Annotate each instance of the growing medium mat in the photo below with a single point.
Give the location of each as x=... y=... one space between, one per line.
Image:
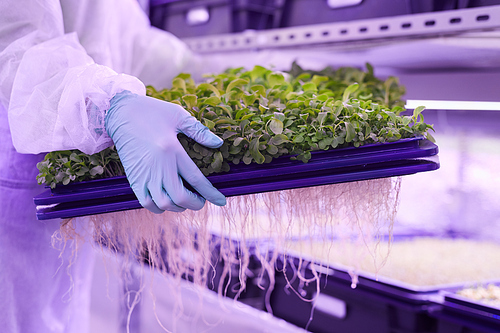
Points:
x=402 y=157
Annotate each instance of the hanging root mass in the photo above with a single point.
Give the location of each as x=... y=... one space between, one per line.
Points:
x=258 y=236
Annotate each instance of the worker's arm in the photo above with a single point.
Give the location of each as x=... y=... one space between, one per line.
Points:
x=58 y=98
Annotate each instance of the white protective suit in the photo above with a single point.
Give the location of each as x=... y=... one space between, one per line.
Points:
x=59 y=65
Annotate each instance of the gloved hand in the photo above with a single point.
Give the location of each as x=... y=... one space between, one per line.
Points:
x=144 y=131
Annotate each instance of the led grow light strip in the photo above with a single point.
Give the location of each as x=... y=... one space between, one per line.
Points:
x=453 y=105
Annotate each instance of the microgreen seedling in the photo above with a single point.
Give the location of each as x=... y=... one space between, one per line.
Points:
x=262 y=115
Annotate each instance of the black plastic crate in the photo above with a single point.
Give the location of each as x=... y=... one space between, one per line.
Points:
x=438 y=5
x=457 y=314
x=189 y=18
x=305 y=12
x=372 y=306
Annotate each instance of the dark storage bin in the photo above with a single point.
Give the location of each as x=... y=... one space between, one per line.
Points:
x=373 y=306
x=186 y=18
x=457 y=314
x=438 y=5
x=305 y=12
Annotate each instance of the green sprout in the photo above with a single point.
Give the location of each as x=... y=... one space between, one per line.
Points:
x=263 y=114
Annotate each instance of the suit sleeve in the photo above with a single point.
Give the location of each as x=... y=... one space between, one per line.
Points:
x=55 y=94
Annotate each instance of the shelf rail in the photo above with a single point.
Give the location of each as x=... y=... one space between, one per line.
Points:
x=424 y=25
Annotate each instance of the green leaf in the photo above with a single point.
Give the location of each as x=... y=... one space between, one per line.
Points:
x=278 y=139
x=82 y=171
x=184 y=76
x=365 y=97
x=304 y=157
x=276 y=126
x=298 y=139
x=75 y=158
x=275 y=79
x=190 y=100
x=322 y=98
x=94 y=159
x=247 y=159
x=217 y=161
x=249 y=99
x=349 y=90
x=280 y=116
x=263 y=101
x=417 y=111
x=228 y=134
x=369 y=68
x=234 y=150
x=259 y=89
x=208 y=86
x=303 y=77
x=317 y=79
x=258 y=72
x=351 y=132
x=429 y=137
x=325 y=143
x=272 y=149
x=244 y=123
x=406 y=120
x=177 y=102
x=254 y=150
x=309 y=86
x=213 y=101
x=241 y=113
x=237 y=141
x=247 y=116
x=223 y=121
x=210 y=124
x=97 y=170
x=179 y=83
x=235 y=83
x=226 y=109
x=321 y=117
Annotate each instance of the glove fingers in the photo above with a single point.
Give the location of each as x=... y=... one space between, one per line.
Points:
x=145 y=199
x=191 y=174
x=200 y=133
x=180 y=195
x=161 y=198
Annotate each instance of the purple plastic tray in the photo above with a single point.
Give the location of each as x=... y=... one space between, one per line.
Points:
x=397 y=158
x=470 y=315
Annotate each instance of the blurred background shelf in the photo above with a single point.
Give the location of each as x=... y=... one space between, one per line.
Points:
x=467 y=38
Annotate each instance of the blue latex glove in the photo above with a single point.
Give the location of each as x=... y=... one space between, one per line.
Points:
x=144 y=131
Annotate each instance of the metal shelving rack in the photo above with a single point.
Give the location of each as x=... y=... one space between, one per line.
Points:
x=368 y=31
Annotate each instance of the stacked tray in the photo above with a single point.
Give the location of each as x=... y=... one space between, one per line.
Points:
x=456 y=313
x=378 y=304
x=402 y=157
